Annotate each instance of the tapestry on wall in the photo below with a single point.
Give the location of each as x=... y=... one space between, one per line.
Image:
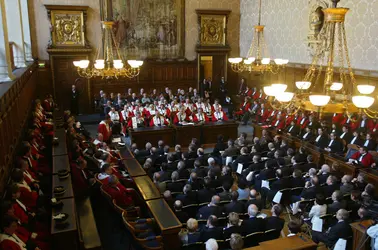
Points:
x=149 y=28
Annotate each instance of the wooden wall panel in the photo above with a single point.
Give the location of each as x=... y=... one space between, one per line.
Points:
x=16 y=107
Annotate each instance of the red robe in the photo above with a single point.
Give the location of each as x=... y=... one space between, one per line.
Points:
x=244 y=107
x=221 y=116
x=197 y=118
x=158 y=121
x=120 y=194
x=166 y=112
x=28 y=197
x=304 y=121
x=180 y=118
x=105 y=130
x=288 y=119
x=366 y=161
x=369 y=125
x=337 y=118
x=262 y=115
x=279 y=125
x=79 y=178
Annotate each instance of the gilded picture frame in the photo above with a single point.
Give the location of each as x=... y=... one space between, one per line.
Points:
x=67 y=28
x=153 y=29
x=213 y=30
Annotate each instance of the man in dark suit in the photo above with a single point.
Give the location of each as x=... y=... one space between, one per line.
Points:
x=321 y=141
x=226 y=175
x=334 y=144
x=345 y=134
x=341 y=230
x=323 y=174
x=182 y=216
x=196 y=183
x=311 y=189
x=356 y=140
x=280 y=183
x=201 y=157
x=253 y=200
x=275 y=222
x=306 y=135
x=165 y=175
x=145 y=152
x=337 y=203
x=293 y=129
x=331 y=186
x=175 y=186
x=243 y=158
x=183 y=172
x=235 y=205
x=253 y=224
x=160 y=148
x=200 y=171
x=310 y=164
x=225 y=195
x=297 y=179
x=74 y=101
x=171 y=163
x=369 y=143
x=205 y=194
x=188 y=197
x=212 y=209
x=231 y=150
x=211 y=231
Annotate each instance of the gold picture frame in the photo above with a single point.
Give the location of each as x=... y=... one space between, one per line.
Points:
x=67 y=26
x=213 y=29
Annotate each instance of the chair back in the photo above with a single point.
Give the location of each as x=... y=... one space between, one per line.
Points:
x=296 y=191
x=191 y=210
x=106 y=195
x=194 y=246
x=271 y=234
x=253 y=239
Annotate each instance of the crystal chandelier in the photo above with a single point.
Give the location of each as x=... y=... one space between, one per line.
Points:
x=110 y=64
x=325 y=87
x=258 y=55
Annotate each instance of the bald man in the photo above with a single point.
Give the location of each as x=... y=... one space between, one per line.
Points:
x=212 y=209
x=253 y=224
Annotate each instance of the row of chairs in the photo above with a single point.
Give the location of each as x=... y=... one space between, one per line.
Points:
x=250 y=240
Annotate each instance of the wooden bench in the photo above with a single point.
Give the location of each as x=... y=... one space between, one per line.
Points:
x=88 y=234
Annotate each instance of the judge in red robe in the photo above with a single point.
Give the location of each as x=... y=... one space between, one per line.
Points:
x=337 y=118
x=158 y=120
x=219 y=115
x=244 y=107
x=262 y=113
x=278 y=123
x=200 y=116
x=180 y=117
x=104 y=128
x=122 y=195
x=362 y=157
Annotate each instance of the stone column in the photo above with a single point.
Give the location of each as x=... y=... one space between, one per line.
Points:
x=15 y=31
x=6 y=73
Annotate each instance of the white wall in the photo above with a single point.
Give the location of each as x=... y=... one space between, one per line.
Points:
x=287 y=28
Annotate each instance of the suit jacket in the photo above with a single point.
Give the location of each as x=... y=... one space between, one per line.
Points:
x=305 y=167
x=188 y=198
x=293 y=130
x=322 y=142
x=175 y=186
x=196 y=185
x=306 y=137
x=201 y=172
x=225 y=196
x=183 y=174
x=297 y=182
x=274 y=222
x=340 y=230
x=182 y=216
x=237 y=207
x=230 y=151
x=347 y=137
x=211 y=233
x=204 y=195
x=205 y=211
x=334 y=207
x=232 y=230
x=329 y=189
x=358 y=141
x=347 y=188
x=323 y=178
x=252 y=225
x=310 y=193
x=370 y=144
x=336 y=146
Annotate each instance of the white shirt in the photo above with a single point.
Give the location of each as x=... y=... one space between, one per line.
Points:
x=366 y=143
x=318 y=138
x=342 y=135
x=305 y=135
x=373 y=233
x=303 y=120
x=317 y=211
x=330 y=143
x=361 y=157
x=353 y=140
x=291 y=128
x=114 y=116
x=362 y=125
x=276 y=124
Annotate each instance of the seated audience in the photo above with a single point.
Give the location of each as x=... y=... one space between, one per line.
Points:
x=211 y=230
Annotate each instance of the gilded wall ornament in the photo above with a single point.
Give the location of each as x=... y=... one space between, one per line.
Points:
x=316 y=21
x=212 y=30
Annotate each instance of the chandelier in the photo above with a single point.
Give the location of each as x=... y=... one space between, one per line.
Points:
x=329 y=85
x=258 y=55
x=110 y=64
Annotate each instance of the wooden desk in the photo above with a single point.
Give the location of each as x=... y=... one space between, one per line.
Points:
x=125 y=153
x=345 y=168
x=210 y=131
x=184 y=134
x=371 y=177
x=66 y=183
x=133 y=167
x=141 y=136
x=359 y=234
x=61 y=148
x=65 y=238
x=60 y=162
x=167 y=221
x=147 y=188
x=293 y=243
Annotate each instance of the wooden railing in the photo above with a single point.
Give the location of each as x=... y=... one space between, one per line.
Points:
x=16 y=100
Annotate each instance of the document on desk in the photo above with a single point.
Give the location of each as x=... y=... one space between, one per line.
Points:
x=265 y=184
x=228 y=160
x=277 y=197
x=340 y=244
x=187 y=123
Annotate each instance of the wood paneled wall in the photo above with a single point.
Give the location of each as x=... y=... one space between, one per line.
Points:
x=153 y=75
x=15 y=108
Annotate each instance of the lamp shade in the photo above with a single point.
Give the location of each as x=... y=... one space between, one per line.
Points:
x=336 y=86
x=84 y=64
x=365 y=89
x=76 y=63
x=99 y=65
x=269 y=91
x=361 y=101
x=279 y=87
x=118 y=65
x=265 y=61
x=235 y=60
x=135 y=63
x=319 y=100
x=303 y=85
x=278 y=61
x=285 y=96
x=249 y=60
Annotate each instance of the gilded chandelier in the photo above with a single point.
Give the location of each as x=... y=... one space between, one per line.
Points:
x=325 y=87
x=112 y=64
x=258 y=55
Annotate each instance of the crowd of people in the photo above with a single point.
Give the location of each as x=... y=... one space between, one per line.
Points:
x=159 y=109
